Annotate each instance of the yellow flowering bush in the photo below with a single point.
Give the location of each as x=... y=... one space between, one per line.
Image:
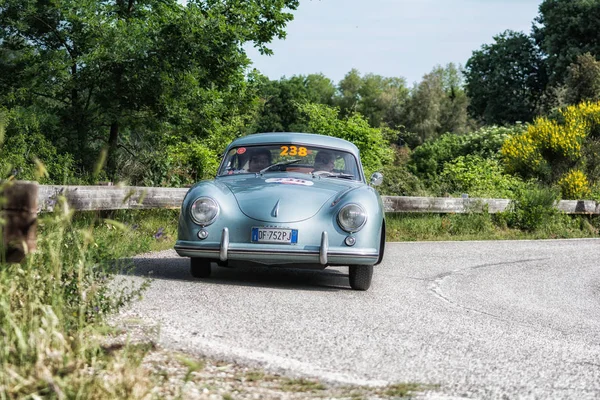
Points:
x=574 y=185
x=552 y=144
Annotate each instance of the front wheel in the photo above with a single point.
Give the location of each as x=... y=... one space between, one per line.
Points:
x=360 y=276
x=200 y=267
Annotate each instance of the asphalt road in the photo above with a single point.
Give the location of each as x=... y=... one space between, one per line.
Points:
x=489 y=319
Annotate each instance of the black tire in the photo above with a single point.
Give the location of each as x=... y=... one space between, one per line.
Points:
x=381 y=244
x=200 y=267
x=360 y=276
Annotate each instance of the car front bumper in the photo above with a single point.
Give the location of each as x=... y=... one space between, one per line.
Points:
x=273 y=254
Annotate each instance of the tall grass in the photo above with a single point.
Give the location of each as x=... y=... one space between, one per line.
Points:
x=483 y=226
x=531 y=215
x=52 y=303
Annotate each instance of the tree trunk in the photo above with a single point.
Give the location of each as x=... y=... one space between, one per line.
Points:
x=113 y=141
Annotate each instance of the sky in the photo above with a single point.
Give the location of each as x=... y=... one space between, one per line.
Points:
x=392 y=38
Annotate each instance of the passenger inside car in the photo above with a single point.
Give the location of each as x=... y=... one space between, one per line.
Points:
x=324 y=161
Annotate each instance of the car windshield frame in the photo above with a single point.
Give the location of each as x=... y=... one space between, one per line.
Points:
x=291 y=157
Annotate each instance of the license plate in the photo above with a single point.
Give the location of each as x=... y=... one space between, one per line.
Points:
x=274 y=235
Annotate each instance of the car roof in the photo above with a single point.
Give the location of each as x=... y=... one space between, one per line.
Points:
x=295 y=138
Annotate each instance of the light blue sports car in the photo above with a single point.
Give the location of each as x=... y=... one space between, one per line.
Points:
x=287 y=200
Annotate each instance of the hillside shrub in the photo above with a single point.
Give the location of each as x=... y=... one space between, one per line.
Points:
x=180 y=164
x=574 y=185
x=427 y=160
x=477 y=177
x=531 y=208
x=550 y=147
x=397 y=179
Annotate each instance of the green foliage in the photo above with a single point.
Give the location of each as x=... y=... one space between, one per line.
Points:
x=427 y=160
x=550 y=148
x=280 y=100
x=179 y=165
x=484 y=226
x=379 y=99
x=190 y=147
x=504 y=80
x=532 y=207
x=374 y=150
x=108 y=71
x=583 y=80
x=478 y=177
x=397 y=178
x=565 y=29
x=438 y=104
x=27 y=154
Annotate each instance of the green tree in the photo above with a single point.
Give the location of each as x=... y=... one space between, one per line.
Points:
x=280 y=100
x=110 y=68
x=375 y=151
x=349 y=95
x=564 y=30
x=583 y=80
x=379 y=99
x=438 y=104
x=504 y=80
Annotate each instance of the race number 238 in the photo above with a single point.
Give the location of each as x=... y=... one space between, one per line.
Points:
x=293 y=151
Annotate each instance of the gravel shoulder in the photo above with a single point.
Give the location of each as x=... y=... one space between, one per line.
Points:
x=180 y=375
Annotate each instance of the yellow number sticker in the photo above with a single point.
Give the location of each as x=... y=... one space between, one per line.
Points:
x=293 y=151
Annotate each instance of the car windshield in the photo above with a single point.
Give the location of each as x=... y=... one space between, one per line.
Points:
x=291 y=158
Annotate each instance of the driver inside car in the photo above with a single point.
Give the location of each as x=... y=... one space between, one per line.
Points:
x=324 y=161
x=259 y=159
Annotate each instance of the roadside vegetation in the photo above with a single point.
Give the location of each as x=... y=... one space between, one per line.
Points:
x=149 y=94
x=51 y=307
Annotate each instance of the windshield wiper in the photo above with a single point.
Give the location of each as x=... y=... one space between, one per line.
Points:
x=278 y=165
x=333 y=174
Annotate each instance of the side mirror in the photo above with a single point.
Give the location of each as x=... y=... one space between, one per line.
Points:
x=376 y=178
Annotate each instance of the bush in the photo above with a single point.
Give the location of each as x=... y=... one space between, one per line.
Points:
x=178 y=165
x=551 y=147
x=397 y=179
x=574 y=185
x=428 y=160
x=479 y=177
x=26 y=154
x=532 y=207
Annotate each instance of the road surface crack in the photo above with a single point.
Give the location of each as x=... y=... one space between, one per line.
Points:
x=436 y=281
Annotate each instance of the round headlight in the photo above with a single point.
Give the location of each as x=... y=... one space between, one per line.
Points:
x=352 y=217
x=204 y=210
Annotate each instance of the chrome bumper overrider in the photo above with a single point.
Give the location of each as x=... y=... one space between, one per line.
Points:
x=323 y=254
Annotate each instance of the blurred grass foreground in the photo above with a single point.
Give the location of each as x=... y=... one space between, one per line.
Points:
x=54 y=303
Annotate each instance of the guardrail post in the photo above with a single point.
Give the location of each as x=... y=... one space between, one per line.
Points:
x=18 y=211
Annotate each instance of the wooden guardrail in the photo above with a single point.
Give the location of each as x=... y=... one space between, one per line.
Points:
x=86 y=198
x=89 y=198
x=23 y=200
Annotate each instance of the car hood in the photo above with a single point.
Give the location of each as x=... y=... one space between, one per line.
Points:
x=279 y=199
